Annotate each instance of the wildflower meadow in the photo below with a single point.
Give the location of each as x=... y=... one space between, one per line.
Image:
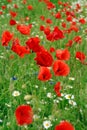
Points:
x=43 y=65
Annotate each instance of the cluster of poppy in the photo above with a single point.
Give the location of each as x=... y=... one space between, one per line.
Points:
x=56 y=34
x=24 y=116
x=44 y=58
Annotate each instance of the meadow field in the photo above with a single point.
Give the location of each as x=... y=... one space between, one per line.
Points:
x=43 y=65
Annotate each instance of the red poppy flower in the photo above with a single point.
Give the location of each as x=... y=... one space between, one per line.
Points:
x=58 y=15
x=73 y=23
x=82 y=20
x=18 y=49
x=15 y=6
x=65 y=4
x=44 y=58
x=47 y=31
x=63 y=54
x=73 y=28
x=30 y=7
x=50 y=5
x=60 y=2
x=12 y=22
x=78 y=6
x=64 y=125
x=6 y=37
x=60 y=68
x=63 y=24
x=24 y=29
x=52 y=49
x=57 y=34
x=57 y=89
x=69 y=44
x=49 y=21
x=42 y=17
x=44 y=74
x=1 y=12
x=13 y=14
x=78 y=39
x=69 y=18
x=41 y=28
x=24 y=1
x=80 y=56
x=3 y=7
x=50 y=37
x=33 y=44
x=24 y=115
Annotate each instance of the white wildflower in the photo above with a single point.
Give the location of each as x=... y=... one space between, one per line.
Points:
x=47 y=124
x=69 y=86
x=1 y=121
x=68 y=96
x=36 y=86
x=73 y=103
x=72 y=97
x=56 y=101
x=49 y=95
x=16 y=93
x=8 y=124
x=28 y=102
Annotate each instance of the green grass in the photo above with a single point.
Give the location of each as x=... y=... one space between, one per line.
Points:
x=25 y=70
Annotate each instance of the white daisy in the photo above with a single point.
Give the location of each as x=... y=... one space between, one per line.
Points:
x=68 y=96
x=16 y=93
x=47 y=124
